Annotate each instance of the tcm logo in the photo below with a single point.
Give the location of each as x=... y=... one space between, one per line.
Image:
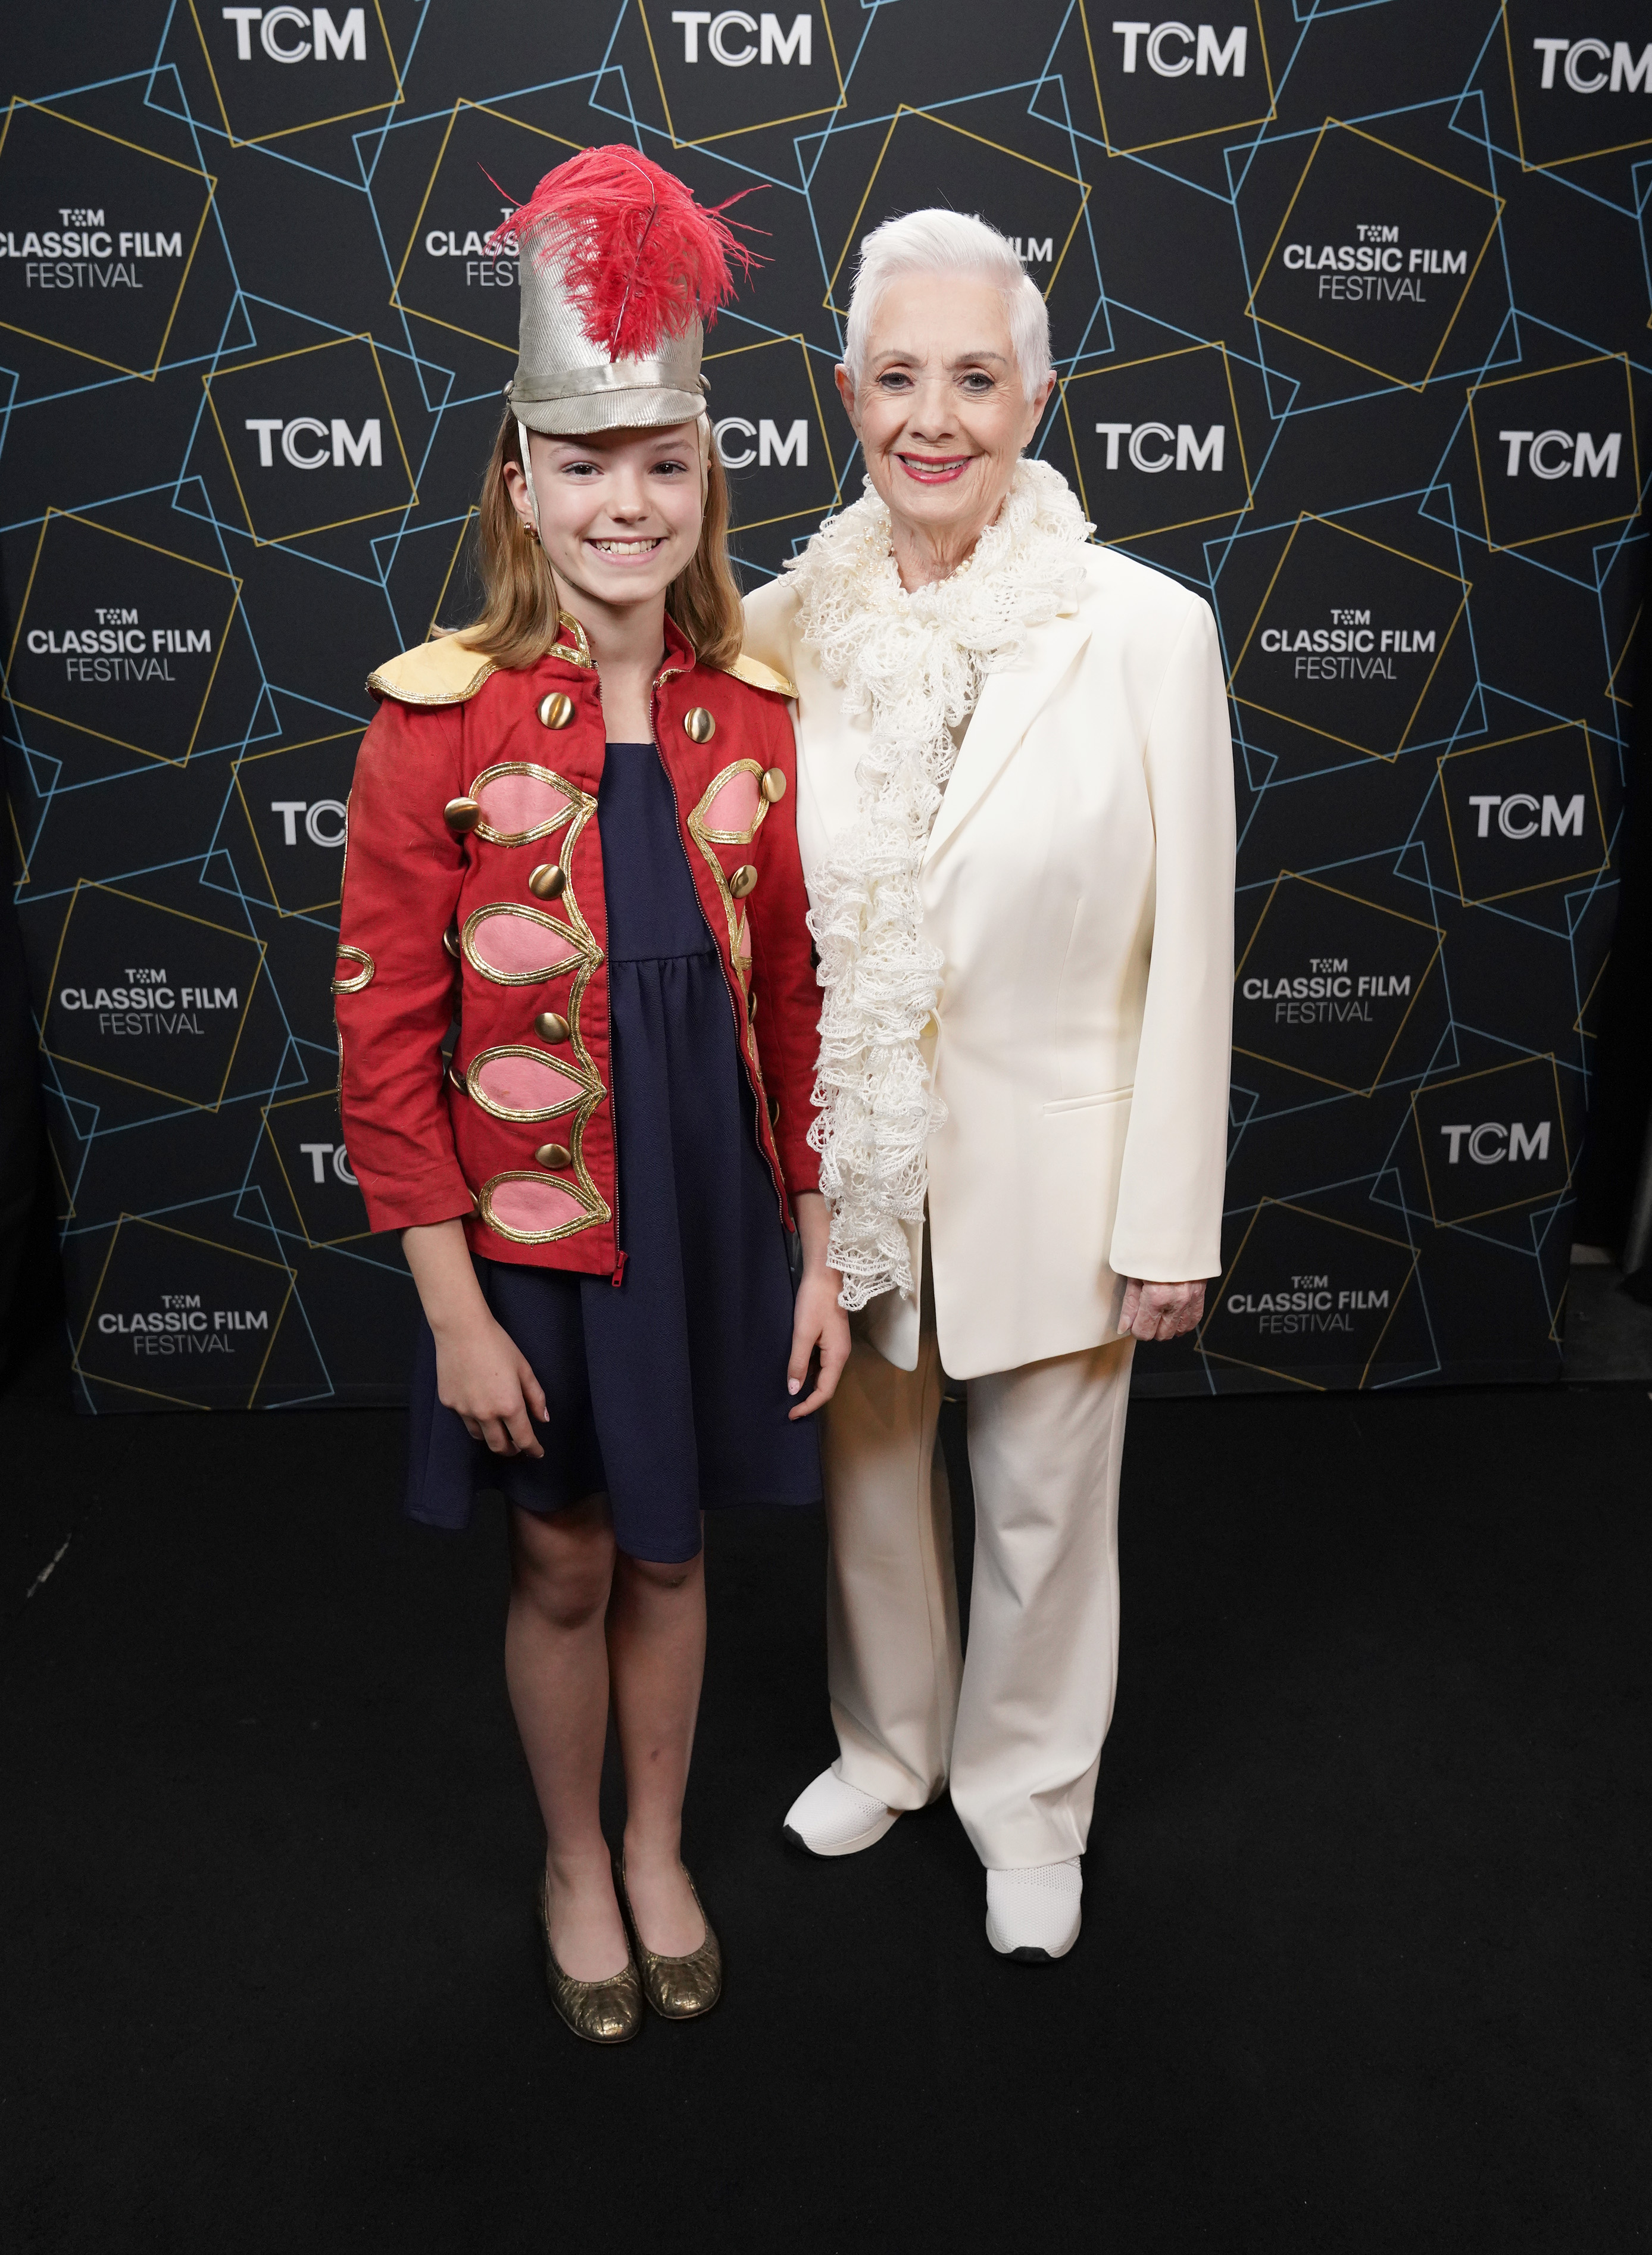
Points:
x=1519 y=815
x=1155 y=447
x=338 y=444
x=1592 y=67
x=1173 y=49
x=730 y=40
x=320 y=1154
x=297 y=35
x=1563 y=453
x=733 y=435
x=1492 y=1144
x=323 y=821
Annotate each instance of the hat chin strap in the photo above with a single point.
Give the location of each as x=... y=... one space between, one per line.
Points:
x=527 y=472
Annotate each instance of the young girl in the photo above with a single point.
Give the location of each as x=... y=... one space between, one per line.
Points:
x=572 y=831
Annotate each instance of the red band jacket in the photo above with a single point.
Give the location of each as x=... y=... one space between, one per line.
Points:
x=473 y=893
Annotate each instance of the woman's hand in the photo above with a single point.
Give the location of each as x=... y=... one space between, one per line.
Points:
x=1161 y=1311
x=479 y=1374
x=817 y=1320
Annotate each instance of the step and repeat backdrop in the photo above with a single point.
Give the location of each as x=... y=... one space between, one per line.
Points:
x=1350 y=306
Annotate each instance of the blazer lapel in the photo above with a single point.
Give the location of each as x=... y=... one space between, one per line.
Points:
x=1009 y=703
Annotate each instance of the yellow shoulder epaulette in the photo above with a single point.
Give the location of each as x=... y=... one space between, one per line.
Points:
x=444 y=672
x=756 y=674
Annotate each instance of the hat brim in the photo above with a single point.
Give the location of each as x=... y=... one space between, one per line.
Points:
x=628 y=410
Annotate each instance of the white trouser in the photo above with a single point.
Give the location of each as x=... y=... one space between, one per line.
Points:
x=1017 y=1722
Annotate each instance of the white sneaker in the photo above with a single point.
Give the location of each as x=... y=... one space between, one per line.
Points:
x=831 y=1818
x=1033 y=1913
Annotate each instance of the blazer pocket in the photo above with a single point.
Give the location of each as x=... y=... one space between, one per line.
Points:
x=1084 y=1103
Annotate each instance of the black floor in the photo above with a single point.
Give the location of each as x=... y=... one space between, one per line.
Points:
x=1364 y=1965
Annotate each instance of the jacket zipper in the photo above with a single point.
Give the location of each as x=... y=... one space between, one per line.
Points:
x=618 y=1277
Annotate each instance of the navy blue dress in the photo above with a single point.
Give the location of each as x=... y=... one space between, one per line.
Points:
x=667 y=1391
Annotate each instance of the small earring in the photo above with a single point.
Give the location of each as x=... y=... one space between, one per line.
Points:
x=528 y=531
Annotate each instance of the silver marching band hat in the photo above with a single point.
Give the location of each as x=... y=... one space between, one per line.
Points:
x=619 y=270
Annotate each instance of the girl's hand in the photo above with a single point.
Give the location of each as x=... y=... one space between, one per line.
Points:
x=479 y=1373
x=816 y=1321
x=483 y=1377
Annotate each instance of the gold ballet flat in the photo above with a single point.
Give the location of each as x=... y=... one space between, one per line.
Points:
x=678 y=1988
x=606 y=2012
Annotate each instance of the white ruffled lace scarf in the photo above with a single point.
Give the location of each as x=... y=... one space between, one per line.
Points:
x=916 y=663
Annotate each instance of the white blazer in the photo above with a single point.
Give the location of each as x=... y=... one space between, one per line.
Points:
x=1079 y=883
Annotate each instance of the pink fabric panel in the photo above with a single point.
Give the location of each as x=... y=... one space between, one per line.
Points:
x=531 y=1207
x=519 y=802
x=525 y=1083
x=734 y=806
x=510 y=942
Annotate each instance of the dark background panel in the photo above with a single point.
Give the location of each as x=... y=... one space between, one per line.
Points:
x=1362 y=261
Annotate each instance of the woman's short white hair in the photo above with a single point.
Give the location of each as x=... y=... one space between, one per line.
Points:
x=939 y=241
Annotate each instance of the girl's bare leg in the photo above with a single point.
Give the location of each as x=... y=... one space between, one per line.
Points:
x=557 y=1670
x=656 y=1655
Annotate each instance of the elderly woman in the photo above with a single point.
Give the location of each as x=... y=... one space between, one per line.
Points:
x=1014 y=805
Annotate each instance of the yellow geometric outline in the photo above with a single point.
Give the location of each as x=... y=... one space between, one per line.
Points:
x=764 y=125
x=1175 y=140
x=255 y=140
x=148 y=1087
x=401 y=305
x=1387 y=376
x=453 y=566
x=19 y=849
x=1312 y=1214
x=212 y=1245
x=1468 y=752
x=1323 y=1079
x=1623 y=658
x=1585 y=1033
x=1332 y=524
x=795 y=337
x=282 y=1104
x=1116 y=367
x=145 y=374
x=268 y=359
x=913 y=109
x=1529 y=375
x=217 y=571
x=69 y=1210
x=1517 y=1064
x=279 y=751
x=1552 y=163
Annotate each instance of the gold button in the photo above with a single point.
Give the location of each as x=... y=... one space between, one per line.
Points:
x=743 y=881
x=550 y=1028
x=461 y=816
x=450 y=941
x=751 y=1006
x=548 y=882
x=554 y=1155
x=556 y=710
x=700 y=724
x=774 y=784
x=774 y=1111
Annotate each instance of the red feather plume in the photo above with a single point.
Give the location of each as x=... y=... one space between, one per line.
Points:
x=642 y=260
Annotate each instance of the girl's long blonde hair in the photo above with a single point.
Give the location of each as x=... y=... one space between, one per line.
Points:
x=518 y=621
